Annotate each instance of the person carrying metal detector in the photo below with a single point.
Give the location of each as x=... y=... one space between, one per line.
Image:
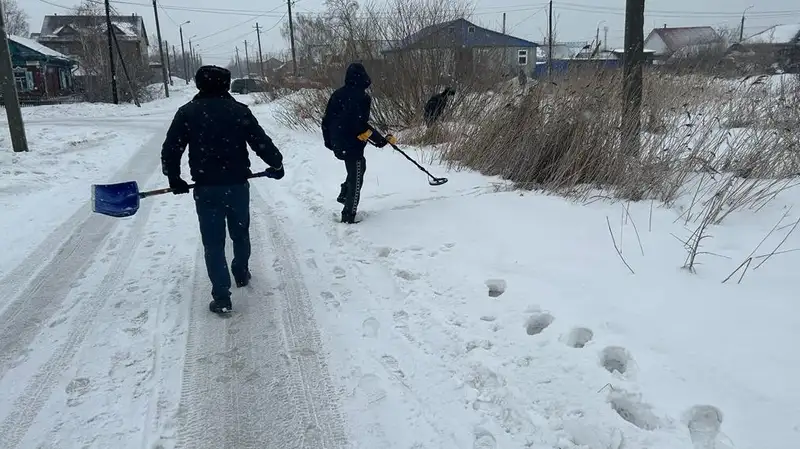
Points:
x=346 y=131
x=217 y=130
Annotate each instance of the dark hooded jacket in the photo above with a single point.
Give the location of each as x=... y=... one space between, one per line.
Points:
x=347 y=115
x=217 y=129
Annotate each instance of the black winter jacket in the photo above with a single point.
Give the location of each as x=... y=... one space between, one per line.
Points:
x=435 y=106
x=217 y=130
x=347 y=115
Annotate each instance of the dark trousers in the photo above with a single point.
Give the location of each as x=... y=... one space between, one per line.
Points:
x=351 y=187
x=216 y=206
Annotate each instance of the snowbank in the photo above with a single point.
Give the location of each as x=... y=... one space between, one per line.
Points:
x=547 y=337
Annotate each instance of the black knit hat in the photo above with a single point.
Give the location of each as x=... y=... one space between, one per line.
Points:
x=211 y=79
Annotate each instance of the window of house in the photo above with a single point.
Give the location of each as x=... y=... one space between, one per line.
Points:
x=23 y=80
x=522 y=57
x=471 y=29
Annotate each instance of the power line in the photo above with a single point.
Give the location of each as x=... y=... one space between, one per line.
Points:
x=237 y=38
x=166 y=13
x=485 y=10
x=239 y=24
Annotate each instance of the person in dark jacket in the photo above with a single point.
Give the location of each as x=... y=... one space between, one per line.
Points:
x=435 y=106
x=217 y=130
x=346 y=131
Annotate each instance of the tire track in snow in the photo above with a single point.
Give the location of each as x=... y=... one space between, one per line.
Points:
x=40 y=386
x=311 y=375
x=258 y=379
x=46 y=284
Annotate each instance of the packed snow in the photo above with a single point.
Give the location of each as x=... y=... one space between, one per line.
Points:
x=468 y=315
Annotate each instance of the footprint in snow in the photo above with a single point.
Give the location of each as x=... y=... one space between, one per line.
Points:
x=370 y=327
x=630 y=408
x=615 y=358
x=496 y=287
x=339 y=272
x=484 y=440
x=329 y=299
x=369 y=387
x=75 y=389
x=704 y=423
x=392 y=365
x=406 y=275
x=579 y=337
x=538 y=322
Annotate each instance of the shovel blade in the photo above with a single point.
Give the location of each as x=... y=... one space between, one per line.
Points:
x=115 y=200
x=437 y=181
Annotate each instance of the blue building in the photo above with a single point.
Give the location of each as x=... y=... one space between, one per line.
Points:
x=465 y=47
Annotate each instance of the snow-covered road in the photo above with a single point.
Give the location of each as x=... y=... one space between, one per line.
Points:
x=453 y=317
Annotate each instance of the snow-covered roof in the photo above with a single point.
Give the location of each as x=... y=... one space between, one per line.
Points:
x=127 y=28
x=677 y=38
x=130 y=27
x=37 y=47
x=778 y=34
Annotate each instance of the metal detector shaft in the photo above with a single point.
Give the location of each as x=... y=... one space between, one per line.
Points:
x=435 y=180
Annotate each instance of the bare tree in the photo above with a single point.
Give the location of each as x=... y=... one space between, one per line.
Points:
x=15 y=18
x=92 y=51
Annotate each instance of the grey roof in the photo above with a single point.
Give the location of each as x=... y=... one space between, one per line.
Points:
x=129 y=27
x=457 y=32
x=677 y=38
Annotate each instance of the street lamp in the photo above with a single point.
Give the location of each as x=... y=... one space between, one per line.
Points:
x=183 y=53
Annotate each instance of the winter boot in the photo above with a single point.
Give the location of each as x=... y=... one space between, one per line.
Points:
x=220 y=306
x=244 y=280
x=342 y=194
x=349 y=218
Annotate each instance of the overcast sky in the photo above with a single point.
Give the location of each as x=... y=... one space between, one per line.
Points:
x=220 y=26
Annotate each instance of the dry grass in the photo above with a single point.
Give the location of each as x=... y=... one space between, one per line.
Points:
x=565 y=138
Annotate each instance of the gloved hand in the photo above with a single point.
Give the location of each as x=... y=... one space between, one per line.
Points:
x=274 y=173
x=380 y=141
x=178 y=185
x=365 y=135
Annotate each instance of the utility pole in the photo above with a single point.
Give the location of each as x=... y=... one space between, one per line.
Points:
x=291 y=36
x=238 y=63
x=191 y=57
x=605 y=37
x=161 y=52
x=246 y=60
x=169 y=62
x=504 y=23
x=550 y=42
x=16 y=127
x=183 y=55
x=633 y=77
x=597 y=38
x=260 y=56
x=741 y=28
x=111 y=53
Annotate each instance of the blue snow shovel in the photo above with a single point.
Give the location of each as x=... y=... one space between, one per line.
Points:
x=122 y=199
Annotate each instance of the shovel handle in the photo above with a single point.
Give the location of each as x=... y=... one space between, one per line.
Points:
x=191 y=186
